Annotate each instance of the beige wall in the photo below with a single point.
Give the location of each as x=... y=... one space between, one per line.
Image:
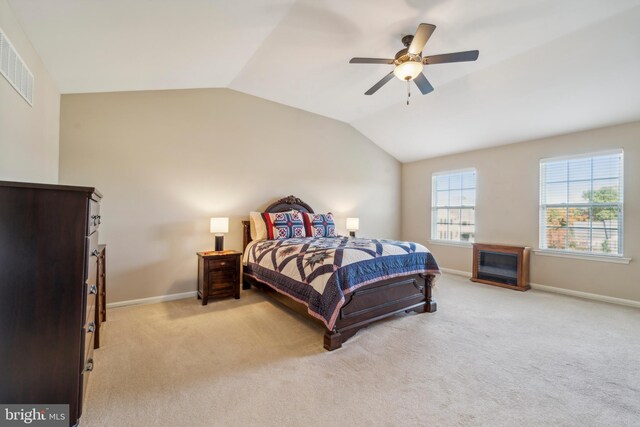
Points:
x=28 y=135
x=507 y=207
x=166 y=161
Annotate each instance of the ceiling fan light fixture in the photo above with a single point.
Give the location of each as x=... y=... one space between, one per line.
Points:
x=408 y=70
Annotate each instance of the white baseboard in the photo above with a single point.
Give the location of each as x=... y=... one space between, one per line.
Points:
x=456 y=272
x=152 y=300
x=586 y=295
x=545 y=288
x=563 y=291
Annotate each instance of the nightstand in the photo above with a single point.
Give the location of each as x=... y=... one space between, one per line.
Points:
x=218 y=275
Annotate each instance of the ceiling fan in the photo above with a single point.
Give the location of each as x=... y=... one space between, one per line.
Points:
x=409 y=61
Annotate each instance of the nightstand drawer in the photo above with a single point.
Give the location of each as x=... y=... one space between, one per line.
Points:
x=222 y=291
x=222 y=285
x=217 y=276
x=221 y=264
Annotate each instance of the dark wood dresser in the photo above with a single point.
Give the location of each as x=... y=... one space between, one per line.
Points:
x=48 y=288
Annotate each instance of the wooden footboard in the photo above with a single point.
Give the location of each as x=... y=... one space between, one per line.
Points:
x=379 y=300
x=367 y=304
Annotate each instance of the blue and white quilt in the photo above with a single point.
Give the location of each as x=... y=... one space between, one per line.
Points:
x=319 y=272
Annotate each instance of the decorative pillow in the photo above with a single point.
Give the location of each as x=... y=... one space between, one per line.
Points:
x=319 y=225
x=284 y=225
x=257 y=225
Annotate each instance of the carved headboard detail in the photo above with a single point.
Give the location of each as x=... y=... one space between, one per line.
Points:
x=285 y=204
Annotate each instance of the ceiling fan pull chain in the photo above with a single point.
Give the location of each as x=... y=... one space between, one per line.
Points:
x=408 y=91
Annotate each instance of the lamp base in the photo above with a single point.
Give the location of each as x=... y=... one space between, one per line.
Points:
x=352 y=234
x=219 y=243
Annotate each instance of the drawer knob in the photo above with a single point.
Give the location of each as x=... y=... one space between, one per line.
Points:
x=91 y=327
x=93 y=289
x=89 y=366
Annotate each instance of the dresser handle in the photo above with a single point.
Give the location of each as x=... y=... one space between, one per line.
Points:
x=93 y=289
x=91 y=327
x=95 y=253
x=89 y=366
x=99 y=219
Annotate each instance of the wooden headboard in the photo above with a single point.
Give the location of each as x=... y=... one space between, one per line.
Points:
x=282 y=205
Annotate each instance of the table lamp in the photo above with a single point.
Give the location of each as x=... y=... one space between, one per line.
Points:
x=219 y=226
x=353 y=224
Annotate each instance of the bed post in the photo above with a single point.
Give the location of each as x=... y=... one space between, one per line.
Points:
x=246 y=234
x=430 y=305
x=332 y=340
x=246 y=238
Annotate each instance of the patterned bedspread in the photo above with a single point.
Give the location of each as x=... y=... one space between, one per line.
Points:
x=319 y=272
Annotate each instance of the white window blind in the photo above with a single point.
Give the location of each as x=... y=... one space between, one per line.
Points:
x=453 y=206
x=581 y=203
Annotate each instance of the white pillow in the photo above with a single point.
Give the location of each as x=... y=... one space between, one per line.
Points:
x=257 y=227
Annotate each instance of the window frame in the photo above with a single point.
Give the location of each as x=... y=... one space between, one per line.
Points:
x=568 y=252
x=435 y=207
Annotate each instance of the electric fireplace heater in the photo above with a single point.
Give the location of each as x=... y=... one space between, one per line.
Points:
x=499 y=265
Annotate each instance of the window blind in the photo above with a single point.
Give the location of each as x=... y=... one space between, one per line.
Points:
x=453 y=206
x=581 y=203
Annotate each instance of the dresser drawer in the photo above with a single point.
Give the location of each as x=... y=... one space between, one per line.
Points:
x=94 y=216
x=85 y=373
x=90 y=302
x=222 y=264
x=88 y=340
x=92 y=259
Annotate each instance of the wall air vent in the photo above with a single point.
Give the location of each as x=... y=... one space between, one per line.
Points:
x=13 y=68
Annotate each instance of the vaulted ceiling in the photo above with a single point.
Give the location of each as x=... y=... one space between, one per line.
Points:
x=546 y=66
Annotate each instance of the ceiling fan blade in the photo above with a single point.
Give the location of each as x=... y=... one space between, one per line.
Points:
x=421 y=37
x=370 y=61
x=423 y=84
x=470 y=55
x=378 y=85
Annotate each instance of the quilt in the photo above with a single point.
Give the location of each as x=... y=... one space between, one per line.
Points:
x=320 y=272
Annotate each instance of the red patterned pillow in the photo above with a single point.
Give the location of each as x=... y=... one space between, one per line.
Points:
x=284 y=225
x=319 y=225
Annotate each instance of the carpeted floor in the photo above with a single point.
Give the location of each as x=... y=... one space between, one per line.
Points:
x=489 y=357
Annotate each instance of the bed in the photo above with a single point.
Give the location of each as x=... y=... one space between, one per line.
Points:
x=387 y=277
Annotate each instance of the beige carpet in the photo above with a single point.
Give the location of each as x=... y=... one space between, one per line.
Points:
x=489 y=356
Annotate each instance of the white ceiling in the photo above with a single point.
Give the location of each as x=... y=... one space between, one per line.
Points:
x=546 y=66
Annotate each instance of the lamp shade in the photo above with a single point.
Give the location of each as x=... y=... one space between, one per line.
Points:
x=219 y=225
x=408 y=70
x=353 y=224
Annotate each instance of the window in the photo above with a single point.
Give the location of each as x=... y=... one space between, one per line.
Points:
x=453 y=206
x=581 y=201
